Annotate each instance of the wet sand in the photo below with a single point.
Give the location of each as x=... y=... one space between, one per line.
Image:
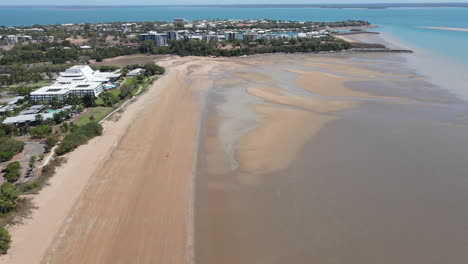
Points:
x=333 y=168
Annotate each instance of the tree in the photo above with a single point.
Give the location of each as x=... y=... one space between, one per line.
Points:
x=147 y=46
x=12 y=171
x=39 y=118
x=153 y=69
x=89 y=100
x=50 y=143
x=58 y=117
x=8 y=195
x=5 y=240
x=126 y=90
x=32 y=162
x=73 y=100
x=64 y=127
x=55 y=103
x=109 y=99
x=9 y=147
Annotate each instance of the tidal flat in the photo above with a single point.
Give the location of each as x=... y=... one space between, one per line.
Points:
x=346 y=158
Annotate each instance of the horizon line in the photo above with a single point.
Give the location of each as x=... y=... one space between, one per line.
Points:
x=258 y=5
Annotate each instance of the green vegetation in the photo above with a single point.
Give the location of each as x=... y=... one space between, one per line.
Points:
x=9 y=147
x=8 y=196
x=186 y=47
x=50 y=142
x=98 y=113
x=12 y=171
x=41 y=131
x=32 y=162
x=108 y=99
x=78 y=137
x=5 y=240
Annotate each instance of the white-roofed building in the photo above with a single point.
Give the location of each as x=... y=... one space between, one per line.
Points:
x=78 y=80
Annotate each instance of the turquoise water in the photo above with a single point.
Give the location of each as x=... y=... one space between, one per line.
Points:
x=52 y=111
x=402 y=24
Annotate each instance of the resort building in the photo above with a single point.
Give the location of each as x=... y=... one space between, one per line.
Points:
x=79 y=80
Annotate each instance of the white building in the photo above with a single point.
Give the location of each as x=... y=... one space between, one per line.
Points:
x=135 y=72
x=79 y=80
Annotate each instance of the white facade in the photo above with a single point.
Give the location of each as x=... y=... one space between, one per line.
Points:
x=79 y=80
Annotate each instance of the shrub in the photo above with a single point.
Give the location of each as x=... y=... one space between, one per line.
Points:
x=9 y=147
x=12 y=171
x=5 y=240
x=78 y=137
x=50 y=142
x=41 y=131
x=8 y=195
x=109 y=99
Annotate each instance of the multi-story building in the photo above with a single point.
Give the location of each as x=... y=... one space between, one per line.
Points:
x=160 y=39
x=251 y=36
x=79 y=80
x=172 y=35
x=230 y=35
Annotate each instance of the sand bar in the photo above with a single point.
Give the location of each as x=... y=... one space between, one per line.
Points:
x=448 y=28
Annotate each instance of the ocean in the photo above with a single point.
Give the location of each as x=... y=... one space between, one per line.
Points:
x=447 y=49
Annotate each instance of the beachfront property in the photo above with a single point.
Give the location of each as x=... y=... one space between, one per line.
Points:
x=79 y=80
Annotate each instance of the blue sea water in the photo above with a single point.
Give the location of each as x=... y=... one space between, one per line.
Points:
x=401 y=24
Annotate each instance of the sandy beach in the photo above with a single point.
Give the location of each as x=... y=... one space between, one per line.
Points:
x=120 y=191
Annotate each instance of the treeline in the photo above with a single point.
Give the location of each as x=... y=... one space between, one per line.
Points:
x=56 y=52
x=191 y=47
x=60 y=53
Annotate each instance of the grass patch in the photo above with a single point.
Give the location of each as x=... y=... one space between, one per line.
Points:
x=128 y=81
x=98 y=113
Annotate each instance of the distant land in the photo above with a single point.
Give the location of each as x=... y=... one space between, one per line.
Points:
x=362 y=5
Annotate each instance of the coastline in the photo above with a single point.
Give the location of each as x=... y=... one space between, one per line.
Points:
x=67 y=190
x=92 y=205
x=63 y=190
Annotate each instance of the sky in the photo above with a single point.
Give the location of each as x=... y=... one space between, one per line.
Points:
x=194 y=2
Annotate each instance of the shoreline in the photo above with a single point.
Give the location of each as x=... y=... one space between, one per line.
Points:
x=167 y=180
x=197 y=70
